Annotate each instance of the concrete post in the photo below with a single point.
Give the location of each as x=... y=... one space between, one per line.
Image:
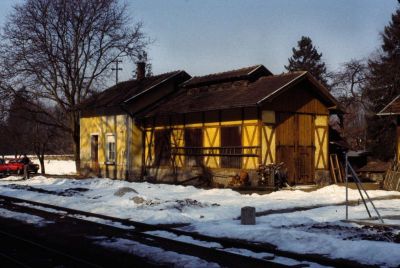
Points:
x=248 y=216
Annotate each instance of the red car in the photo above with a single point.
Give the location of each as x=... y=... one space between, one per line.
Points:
x=15 y=166
x=3 y=166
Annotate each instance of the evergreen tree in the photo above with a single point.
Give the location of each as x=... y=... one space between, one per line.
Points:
x=383 y=86
x=306 y=58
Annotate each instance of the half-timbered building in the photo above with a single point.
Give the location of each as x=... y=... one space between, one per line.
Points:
x=225 y=123
x=111 y=141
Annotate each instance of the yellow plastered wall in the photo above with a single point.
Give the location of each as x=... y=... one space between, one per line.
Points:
x=149 y=147
x=136 y=147
x=120 y=130
x=250 y=137
x=212 y=138
x=177 y=140
x=268 y=145
x=118 y=126
x=398 y=148
x=321 y=141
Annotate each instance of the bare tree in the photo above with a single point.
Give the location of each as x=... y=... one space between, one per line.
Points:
x=26 y=131
x=348 y=84
x=61 y=50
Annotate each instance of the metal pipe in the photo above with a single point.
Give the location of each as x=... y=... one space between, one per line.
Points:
x=362 y=187
x=362 y=197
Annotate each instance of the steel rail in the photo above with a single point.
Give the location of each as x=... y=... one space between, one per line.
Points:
x=45 y=248
x=224 y=258
x=141 y=227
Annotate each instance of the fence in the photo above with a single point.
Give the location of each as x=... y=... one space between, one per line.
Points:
x=392 y=179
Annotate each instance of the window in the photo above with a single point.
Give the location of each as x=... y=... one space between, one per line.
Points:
x=193 y=146
x=110 y=143
x=231 y=147
x=162 y=147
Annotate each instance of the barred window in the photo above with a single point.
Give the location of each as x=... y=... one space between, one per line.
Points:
x=193 y=146
x=231 y=147
x=162 y=147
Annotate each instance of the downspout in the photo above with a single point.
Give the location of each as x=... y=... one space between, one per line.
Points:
x=129 y=140
x=128 y=123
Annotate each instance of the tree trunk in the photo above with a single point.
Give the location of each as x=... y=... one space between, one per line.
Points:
x=42 y=168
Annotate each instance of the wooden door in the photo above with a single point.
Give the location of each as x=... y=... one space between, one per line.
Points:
x=294 y=140
x=305 y=148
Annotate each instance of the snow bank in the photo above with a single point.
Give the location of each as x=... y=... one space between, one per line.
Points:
x=27 y=218
x=58 y=167
x=214 y=212
x=160 y=203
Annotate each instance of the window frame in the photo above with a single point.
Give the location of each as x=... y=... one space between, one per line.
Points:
x=109 y=159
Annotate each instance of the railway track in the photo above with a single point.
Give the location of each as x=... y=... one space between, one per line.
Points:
x=35 y=253
x=198 y=245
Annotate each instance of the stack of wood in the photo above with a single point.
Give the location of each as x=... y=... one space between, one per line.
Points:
x=392 y=178
x=273 y=175
x=241 y=179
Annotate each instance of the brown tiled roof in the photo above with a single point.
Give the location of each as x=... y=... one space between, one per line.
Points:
x=392 y=108
x=227 y=95
x=124 y=91
x=247 y=73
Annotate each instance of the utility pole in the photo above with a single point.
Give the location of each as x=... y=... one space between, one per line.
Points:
x=116 y=69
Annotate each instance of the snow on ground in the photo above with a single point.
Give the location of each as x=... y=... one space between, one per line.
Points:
x=54 y=164
x=158 y=255
x=27 y=218
x=214 y=212
x=160 y=203
x=58 y=167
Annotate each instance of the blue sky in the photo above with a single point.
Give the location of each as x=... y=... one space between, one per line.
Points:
x=206 y=36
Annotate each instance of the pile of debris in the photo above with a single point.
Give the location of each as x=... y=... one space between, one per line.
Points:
x=392 y=178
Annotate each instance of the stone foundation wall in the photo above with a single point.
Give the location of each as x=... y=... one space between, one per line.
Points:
x=219 y=177
x=322 y=177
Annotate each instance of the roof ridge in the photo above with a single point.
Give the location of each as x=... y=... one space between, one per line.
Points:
x=233 y=70
x=152 y=76
x=299 y=73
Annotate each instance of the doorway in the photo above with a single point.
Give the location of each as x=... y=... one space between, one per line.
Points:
x=294 y=146
x=94 y=152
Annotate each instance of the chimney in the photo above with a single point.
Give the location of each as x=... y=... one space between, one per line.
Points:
x=140 y=70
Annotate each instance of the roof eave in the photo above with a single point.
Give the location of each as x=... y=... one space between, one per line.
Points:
x=383 y=111
x=387 y=114
x=150 y=88
x=281 y=88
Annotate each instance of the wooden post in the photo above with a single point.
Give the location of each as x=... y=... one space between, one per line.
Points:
x=248 y=216
x=26 y=172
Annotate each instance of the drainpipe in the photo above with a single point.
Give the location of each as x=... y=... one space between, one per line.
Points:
x=128 y=123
